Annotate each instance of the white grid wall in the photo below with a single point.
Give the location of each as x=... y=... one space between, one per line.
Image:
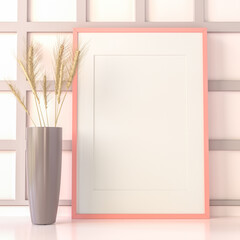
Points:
x=45 y=20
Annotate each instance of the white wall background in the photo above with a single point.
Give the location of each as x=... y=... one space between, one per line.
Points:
x=45 y=21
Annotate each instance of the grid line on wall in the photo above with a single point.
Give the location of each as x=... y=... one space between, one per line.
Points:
x=22 y=28
x=224 y=85
x=140 y=11
x=21 y=116
x=199 y=12
x=45 y=27
x=225 y=202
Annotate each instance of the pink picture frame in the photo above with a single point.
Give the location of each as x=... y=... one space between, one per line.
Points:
x=76 y=215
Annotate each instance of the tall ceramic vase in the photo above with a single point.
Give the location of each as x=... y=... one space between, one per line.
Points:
x=44 y=161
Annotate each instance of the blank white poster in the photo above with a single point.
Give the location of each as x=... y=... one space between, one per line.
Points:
x=136 y=151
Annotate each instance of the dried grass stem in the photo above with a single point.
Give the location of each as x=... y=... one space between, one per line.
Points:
x=18 y=97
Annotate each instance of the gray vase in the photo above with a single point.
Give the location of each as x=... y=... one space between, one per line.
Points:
x=43 y=166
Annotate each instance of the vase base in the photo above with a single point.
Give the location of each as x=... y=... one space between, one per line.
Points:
x=43 y=222
x=48 y=223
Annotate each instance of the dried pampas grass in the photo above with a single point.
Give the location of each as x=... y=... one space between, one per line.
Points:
x=65 y=64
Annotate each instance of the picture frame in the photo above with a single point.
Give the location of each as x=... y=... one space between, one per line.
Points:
x=140 y=124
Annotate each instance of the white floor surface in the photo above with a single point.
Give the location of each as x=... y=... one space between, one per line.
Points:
x=15 y=224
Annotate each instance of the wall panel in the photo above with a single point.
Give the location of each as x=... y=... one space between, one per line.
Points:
x=111 y=10
x=52 y=10
x=47 y=17
x=7 y=175
x=170 y=10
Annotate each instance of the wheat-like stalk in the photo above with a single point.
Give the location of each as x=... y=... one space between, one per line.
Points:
x=18 y=97
x=73 y=68
x=45 y=90
x=45 y=96
x=58 y=66
x=66 y=63
x=69 y=80
x=32 y=85
x=32 y=65
x=60 y=83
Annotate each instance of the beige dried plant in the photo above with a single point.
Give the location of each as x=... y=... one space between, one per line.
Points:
x=66 y=63
x=16 y=93
x=45 y=87
x=59 y=89
x=71 y=73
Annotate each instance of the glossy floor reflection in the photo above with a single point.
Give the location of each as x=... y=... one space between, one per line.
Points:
x=20 y=227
